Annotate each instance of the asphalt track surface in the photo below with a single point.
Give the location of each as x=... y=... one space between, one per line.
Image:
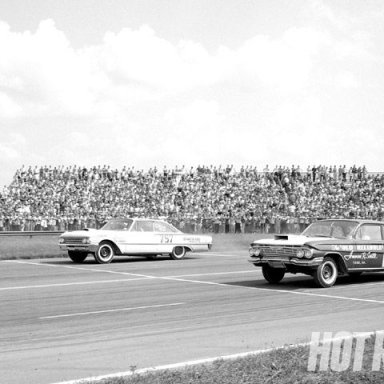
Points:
x=62 y=321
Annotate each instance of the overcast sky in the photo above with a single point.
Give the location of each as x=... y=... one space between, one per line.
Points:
x=171 y=82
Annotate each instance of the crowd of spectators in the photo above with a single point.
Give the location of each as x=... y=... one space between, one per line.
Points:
x=197 y=199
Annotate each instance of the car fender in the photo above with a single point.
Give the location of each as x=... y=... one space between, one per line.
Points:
x=339 y=260
x=114 y=245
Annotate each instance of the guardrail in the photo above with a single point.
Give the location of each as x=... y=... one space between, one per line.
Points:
x=30 y=233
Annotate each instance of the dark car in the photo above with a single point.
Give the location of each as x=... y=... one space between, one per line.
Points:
x=325 y=250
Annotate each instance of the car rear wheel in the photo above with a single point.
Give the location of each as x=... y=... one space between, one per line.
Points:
x=326 y=273
x=178 y=253
x=104 y=253
x=77 y=257
x=273 y=275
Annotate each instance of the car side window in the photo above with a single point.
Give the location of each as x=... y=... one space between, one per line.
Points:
x=338 y=232
x=146 y=226
x=143 y=226
x=369 y=232
x=160 y=227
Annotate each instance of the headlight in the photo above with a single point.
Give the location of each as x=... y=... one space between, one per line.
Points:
x=255 y=251
x=308 y=253
x=304 y=252
x=61 y=240
x=85 y=240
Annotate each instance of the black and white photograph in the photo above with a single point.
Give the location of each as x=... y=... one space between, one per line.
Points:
x=191 y=191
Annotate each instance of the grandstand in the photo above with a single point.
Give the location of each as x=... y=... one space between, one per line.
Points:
x=200 y=199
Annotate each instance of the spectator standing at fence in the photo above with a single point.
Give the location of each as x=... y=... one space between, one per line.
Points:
x=238 y=223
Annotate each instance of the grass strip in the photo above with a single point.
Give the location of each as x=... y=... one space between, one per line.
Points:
x=279 y=366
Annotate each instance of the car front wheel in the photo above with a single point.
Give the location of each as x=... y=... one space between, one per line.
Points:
x=326 y=273
x=178 y=253
x=77 y=257
x=273 y=275
x=104 y=253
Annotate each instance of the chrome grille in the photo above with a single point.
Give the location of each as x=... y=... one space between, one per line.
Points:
x=73 y=240
x=279 y=252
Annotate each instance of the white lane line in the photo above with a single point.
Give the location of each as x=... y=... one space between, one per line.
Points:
x=116 y=280
x=218 y=254
x=70 y=284
x=276 y=290
x=109 y=311
x=357 y=285
x=142 y=277
x=208 y=360
x=210 y=274
x=80 y=268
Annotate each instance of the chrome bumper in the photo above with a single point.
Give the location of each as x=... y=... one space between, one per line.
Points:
x=79 y=247
x=257 y=261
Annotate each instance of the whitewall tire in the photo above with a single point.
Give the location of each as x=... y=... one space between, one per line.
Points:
x=105 y=253
x=178 y=253
x=326 y=273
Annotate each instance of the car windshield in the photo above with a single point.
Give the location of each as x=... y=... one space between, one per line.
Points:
x=118 y=225
x=339 y=229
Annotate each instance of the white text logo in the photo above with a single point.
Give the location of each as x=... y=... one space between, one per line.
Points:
x=342 y=350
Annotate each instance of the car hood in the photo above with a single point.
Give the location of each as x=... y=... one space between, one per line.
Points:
x=292 y=240
x=84 y=233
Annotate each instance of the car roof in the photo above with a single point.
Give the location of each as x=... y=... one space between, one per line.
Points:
x=138 y=219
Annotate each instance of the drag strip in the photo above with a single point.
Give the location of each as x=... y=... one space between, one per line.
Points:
x=64 y=321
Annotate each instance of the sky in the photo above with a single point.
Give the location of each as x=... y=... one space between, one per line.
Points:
x=149 y=83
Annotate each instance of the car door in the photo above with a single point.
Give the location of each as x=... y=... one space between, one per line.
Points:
x=140 y=239
x=165 y=235
x=368 y=249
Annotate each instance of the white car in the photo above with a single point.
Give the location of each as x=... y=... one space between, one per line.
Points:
x=131 y=237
